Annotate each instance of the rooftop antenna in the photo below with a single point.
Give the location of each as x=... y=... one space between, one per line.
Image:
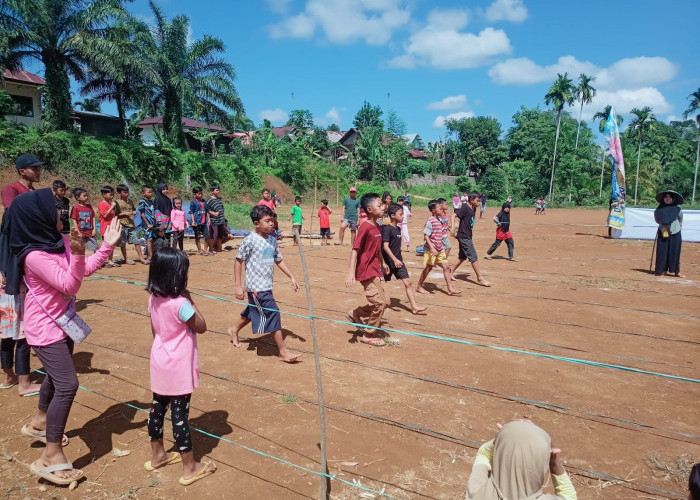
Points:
x=292 y=99
x=388 y=102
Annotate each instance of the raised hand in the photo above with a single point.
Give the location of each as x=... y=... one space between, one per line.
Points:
x=113 y=232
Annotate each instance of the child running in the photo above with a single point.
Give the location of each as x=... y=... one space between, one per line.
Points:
x=503 y=233
x=178 y=220
x=175 y=323
x=199 y=219
x=466 y=214
x=391 y=251
x=366 y=266
x=404 y=223
x=324 y=214
x=434 y=251
x=260 y=251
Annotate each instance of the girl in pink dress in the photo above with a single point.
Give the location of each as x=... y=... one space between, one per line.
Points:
x=175 y=322
x=177 y=218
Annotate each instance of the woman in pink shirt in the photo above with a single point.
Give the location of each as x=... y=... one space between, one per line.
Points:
x=53 y=267
x=177 y=218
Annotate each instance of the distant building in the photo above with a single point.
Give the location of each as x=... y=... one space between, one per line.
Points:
x=414 y=141
x=23 y=88
x=96 y=124
x=152 y=127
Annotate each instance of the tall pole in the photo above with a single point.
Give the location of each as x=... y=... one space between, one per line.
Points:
x=697 y=157
x=636 y=177
x=313 y=212
x=602 y=167
x=554 y=158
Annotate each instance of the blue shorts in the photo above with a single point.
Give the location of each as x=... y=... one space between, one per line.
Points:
x=263 y=312
x=326 y=231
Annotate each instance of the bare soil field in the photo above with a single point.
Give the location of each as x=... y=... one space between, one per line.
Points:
x=577 y=336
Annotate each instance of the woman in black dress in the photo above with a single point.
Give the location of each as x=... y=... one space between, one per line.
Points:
x=669 y=216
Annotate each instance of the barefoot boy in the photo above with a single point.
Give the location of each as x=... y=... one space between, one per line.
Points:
x=366 y=266
x=434 y=251
x=126 y=213
x=324 y=214
x=466 y=214
x=259 y=251
x=391 y=251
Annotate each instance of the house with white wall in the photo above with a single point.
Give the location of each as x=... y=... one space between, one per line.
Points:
x=23 y=88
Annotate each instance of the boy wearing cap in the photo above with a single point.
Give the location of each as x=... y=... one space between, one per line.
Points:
x=29 y=170
x=352 y=209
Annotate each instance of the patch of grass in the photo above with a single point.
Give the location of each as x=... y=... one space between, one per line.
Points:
x=289 y=399
x=677 y=469
x=238 y=215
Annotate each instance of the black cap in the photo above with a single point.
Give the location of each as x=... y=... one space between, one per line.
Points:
x=28 y=160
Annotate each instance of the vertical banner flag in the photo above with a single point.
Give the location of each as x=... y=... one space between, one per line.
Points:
x=616 y=219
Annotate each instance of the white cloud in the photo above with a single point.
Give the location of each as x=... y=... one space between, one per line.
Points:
x=524 y=71
x=332 y=116
x=441 y=43
x=507 y=10
x=449 y=102
x=342 y=22
x=440 y=120
x=623 y=101
x=278 y=5
x=277 y=115
x=636 y=72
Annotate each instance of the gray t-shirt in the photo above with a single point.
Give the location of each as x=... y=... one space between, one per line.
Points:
x=259 y=255
x=351 y=207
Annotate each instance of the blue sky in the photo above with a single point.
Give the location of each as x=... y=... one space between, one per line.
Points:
x=447 y=58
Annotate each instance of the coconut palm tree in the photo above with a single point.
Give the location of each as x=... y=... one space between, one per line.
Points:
x=192 y=78
x=642 y=122
x=64 y=35
x=585 y=92
x=693 y=108
x=603 y=117
x=89 y=105
x=560 y=94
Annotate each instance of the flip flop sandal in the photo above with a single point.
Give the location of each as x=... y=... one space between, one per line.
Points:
x=130 y=262
x=40 y=435
x=7 y=386
x=373 y=341
x=175 y=458
x=352 y=320
x=202 y=474
x=30 y=394
x=37 y=468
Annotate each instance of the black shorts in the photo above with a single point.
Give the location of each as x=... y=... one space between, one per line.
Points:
x=326 y=231
x=467 y=250
x=201 y=231
x=400 y=273
x=217 y=231
x=263 y=312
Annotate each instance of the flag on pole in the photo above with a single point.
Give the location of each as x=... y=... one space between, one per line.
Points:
x=616 y=219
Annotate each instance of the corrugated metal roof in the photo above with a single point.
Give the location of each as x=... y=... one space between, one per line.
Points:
x=23 y=76
x=187 y=123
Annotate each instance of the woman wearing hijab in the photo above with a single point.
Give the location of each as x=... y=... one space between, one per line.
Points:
x=669 y=216
x=514 y=466
x=503 y=233
x=163 y=206
x=53 y=267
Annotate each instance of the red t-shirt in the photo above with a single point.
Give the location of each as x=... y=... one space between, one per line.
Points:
x=102 y=209
x=12 y=191
x=324 y=214
x=268 y=203
x=368 y=243
x=84 y=217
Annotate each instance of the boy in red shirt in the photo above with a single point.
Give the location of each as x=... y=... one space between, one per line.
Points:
x=107 y=210
x=324 y=213
x=368 y=267
x=84 y=217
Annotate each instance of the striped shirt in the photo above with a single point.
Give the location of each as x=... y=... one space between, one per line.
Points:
x=216 y=205
x=433 y=229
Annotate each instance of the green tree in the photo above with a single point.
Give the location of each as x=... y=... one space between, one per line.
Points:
x=642 y=123
x=585 y=93
x=89 y=105
x=369 y=153
x=301 y=119
x=395 y=124
x=602 y=116
x=63 y=35
x=240 y=122
x=368 y=116
x=333 y=127
x=694 y=108
x=478 y=139
x=7 y=105
x=560 y=94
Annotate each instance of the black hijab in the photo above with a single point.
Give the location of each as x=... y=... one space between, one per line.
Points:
x=29 y=224
x=666 y=214
x=504 y=217
x=162 y=203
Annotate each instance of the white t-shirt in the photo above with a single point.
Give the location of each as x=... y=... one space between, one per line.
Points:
x=406 y=214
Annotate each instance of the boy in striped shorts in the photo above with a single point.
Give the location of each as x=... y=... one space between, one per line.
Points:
x=434 y=251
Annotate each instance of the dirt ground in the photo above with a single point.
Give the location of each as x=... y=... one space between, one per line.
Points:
x=576 y=335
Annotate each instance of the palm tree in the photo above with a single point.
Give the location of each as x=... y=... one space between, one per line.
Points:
x=642 y=122
x=603 y=117
x=64 y=35
x=89 y=105
x=192 y=78
x=560 y=94
x=694 y=107
x=586 y=93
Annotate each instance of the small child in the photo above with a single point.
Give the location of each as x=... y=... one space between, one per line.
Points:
x=391 y=251
x=159 y=240
x=62 y=205
x=260 y=251
x=125 y=213
x=175 y=322
x=466 y=215
x=267 y=200
x=483 y=202
x=404 y=224
x=544 y=206
x=387 y=200
x=324 y=214
x=177 y=218
x=446 y=229
x=147 y=212
x=503 y=233
x=217 y=220
x=84 y=217
x=107 y=210
x=199 y=220
x=297 y=220
x=538 y=206
x=434 y=251
x=368 y=267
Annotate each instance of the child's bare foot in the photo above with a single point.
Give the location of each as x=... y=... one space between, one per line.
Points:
x=513 y=259
x=233 y=332
x=9 y=381
x=28 y=389
x=418 y=310
x=488 y=257
x=679 y=275
x=483 y=282
x=290 y=356
x=420 y=289
x=454 y=292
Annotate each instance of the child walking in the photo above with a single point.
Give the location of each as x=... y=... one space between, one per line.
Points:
x=466 y=214
x=175 y=322
x=503 y=233
x=446 y=228
x=404 y=223
x=177 y=218
x=324 y=214
x=434 y=251
x=84 y=216
x=391 y=251
x=199 y=220
x=260 y=251
x=367 y=267
x=297 y=220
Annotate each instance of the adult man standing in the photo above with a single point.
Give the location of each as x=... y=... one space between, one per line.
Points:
x=352 y=210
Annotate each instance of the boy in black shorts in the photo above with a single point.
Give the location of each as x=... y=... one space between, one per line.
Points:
x=466 y=215
x=391 y=251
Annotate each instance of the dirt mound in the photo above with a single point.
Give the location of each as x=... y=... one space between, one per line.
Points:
x=280 y=188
